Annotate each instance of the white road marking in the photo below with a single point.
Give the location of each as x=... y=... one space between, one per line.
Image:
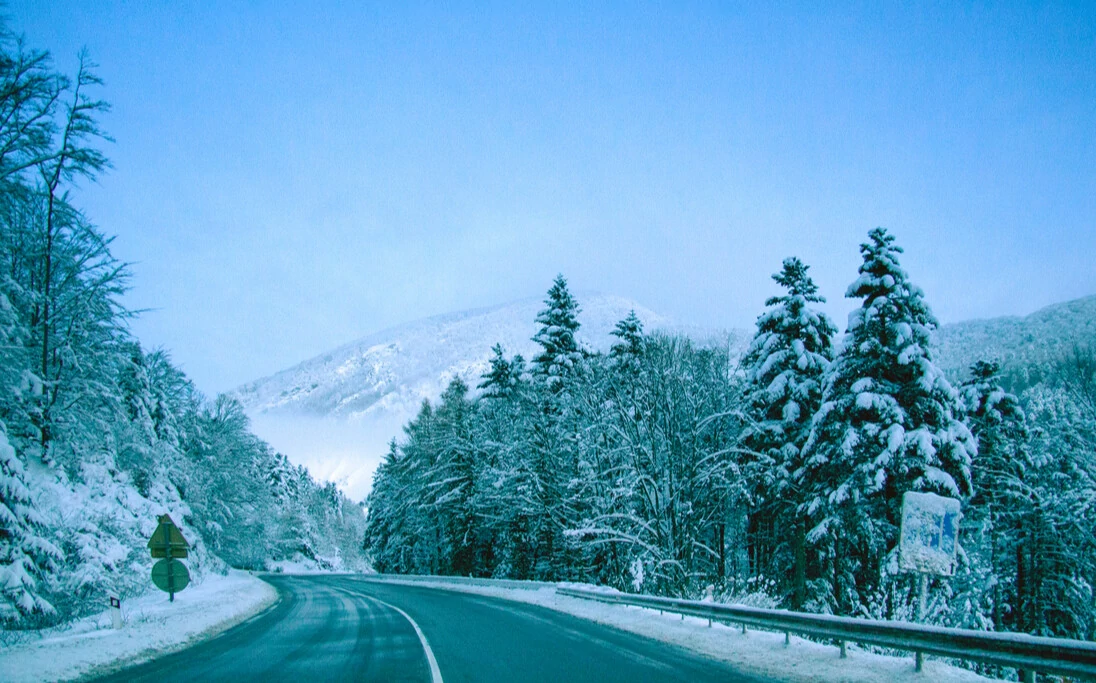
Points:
x=435 y=672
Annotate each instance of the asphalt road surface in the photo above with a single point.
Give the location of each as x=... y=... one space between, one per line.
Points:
x=340 y=628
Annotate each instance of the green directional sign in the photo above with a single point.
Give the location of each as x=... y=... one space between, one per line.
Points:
x=167 y=540
x=170 y=576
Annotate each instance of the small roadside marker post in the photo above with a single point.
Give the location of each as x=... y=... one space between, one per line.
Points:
x=116 y=611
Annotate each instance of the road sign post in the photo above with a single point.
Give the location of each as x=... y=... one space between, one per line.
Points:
x=167 y=542
x=928 y=543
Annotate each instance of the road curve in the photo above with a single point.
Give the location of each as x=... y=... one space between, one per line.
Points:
x=340 y=628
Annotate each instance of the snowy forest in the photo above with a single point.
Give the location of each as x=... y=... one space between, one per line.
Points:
x=99 y=435
x=773 y=479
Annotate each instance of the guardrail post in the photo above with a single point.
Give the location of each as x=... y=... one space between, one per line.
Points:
x=787 y=638
x=844 y=653
x=918 y=662
x=1027 y=675
x=743 y=628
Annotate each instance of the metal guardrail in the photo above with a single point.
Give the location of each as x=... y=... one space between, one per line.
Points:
x=1060 y=656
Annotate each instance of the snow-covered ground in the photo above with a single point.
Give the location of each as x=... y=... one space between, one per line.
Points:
x=758 y=652
x=152 y=627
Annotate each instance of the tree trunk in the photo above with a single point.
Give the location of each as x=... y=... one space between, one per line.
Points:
x=799 y=552
x=1022 y=598
x=722 y=554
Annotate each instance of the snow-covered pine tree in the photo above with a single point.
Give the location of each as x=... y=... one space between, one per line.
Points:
x=420 y=531
x=507 y=503
x=998 y=423
x=452 y=481
x=384 y=541
x=176 y=401
x=519 y=372
x=549 y=466
x=560 y=353
x=784 y=367
x=26 y=556
x=889 y=423
x=136 y=434
x=1056 y=572
x=546 y=467
x=627 y=351
x=502 y=378
x=1000 y=504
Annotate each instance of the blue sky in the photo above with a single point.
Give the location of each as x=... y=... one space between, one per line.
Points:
x=288 y=177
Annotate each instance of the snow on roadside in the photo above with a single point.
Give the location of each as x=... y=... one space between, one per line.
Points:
x=152 y=626
x=757 y=652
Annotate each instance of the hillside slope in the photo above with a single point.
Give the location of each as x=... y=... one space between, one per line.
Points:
x=395 y=369
x=1018 y=342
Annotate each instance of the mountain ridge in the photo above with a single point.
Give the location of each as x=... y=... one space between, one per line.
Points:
x=1017 y=341
x=349 y=380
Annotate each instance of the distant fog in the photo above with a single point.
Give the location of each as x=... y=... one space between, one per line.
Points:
x=345 y=452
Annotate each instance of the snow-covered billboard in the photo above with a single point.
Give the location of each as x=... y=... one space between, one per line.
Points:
x=930 y=533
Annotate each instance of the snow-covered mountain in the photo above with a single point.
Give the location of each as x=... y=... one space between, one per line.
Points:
x=394 y=370
x=1018 y=342
x=337 y=412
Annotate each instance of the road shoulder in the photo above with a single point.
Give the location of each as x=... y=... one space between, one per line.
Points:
x=153 y=626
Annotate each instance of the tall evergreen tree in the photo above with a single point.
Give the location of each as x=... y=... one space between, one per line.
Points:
x=503 y=376
x=26 y=554
x=386 y=540
x=784 y=367
x=627 y=351
x=560 y=354
x=889 y=423
x=986 y=592
x=453 y=480
x=998 y=423
x=547 y=470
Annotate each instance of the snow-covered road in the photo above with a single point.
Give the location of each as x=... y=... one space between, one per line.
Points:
x=760 y=653
x=347 y=627
x=340 y=628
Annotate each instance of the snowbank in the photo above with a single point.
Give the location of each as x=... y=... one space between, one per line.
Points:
x=756 y=652
x=153 y=626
